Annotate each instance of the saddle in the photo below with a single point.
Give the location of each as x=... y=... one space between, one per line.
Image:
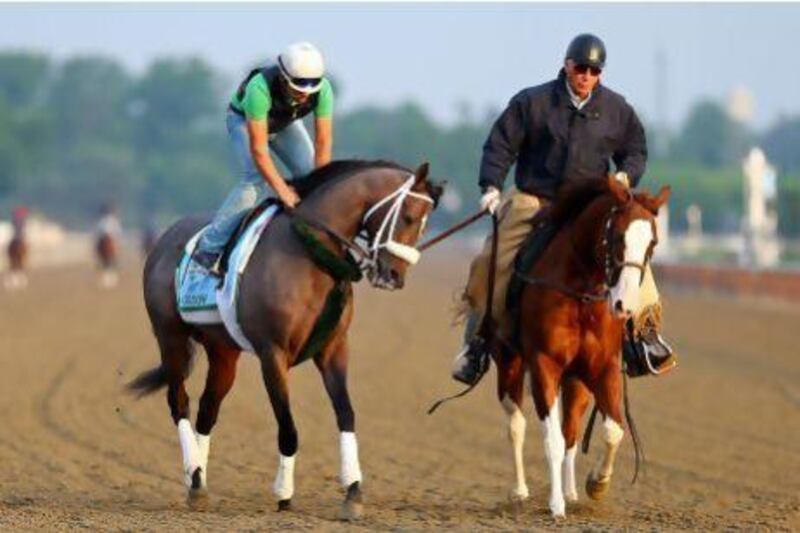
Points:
x=534 y=245
x=248 y=219
x=537 y=241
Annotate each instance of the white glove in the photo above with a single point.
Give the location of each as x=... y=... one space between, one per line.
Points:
x=623 y=178
x=490 y=200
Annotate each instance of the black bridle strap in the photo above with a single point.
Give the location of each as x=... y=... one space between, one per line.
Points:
x=583 y=296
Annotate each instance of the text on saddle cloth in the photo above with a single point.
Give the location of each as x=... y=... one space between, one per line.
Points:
x=200 y=299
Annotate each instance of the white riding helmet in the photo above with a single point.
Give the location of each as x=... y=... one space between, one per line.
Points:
x=302 y=67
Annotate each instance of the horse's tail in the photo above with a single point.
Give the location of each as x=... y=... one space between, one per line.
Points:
x=148 y=382
x=159 y=377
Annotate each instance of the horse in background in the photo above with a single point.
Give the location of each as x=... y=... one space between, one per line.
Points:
x=281 y=299
x=108 y=234
x=17 y=277
x=572 y=310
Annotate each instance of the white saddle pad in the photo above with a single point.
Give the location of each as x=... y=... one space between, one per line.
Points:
x=200 y=299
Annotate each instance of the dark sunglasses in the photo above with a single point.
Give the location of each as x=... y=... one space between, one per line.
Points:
x=306 y=82
x=581 y=69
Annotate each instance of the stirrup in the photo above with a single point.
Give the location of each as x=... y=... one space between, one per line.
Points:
x=648 y=354
x=477 y=361
x=208 y=261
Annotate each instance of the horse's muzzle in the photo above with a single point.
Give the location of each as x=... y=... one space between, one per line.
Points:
x=385 y=277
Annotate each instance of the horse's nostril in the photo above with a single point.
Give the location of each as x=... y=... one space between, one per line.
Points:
x=396 y=278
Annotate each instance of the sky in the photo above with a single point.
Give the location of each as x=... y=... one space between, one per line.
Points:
x=451 y=57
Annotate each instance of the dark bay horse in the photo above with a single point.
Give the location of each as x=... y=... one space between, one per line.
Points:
x=572 y=310
x=282 y=292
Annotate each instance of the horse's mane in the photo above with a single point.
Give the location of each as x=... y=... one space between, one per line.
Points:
x=573 y=197
x=337 y=169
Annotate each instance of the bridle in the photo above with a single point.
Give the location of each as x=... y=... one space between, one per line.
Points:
x=384 y=237
x=612 y=265
x=366 y=256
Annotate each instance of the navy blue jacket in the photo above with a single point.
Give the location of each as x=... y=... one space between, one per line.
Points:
x=552 y=142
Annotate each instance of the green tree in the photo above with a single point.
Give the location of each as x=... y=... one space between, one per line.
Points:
x=24 y=77
x=781 y=144
x=709 y=137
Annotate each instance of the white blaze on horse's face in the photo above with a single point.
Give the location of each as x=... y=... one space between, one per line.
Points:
x=624 y=295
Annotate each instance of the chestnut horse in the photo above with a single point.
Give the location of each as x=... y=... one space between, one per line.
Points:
x=576 y=298
x=282 y=293
x=107 y=250
x=16 y=278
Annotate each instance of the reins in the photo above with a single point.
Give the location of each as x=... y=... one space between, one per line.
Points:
x=638 y=448
x=486 y=328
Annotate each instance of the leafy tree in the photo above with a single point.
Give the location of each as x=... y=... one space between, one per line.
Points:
x=781 y=144
x=710 y=137
x=23 y=77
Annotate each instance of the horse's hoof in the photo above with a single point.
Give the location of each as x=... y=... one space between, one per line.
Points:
x=596 y=489
x=351 y=511
x=197 y=499
x=284 y=505
x=558 y=510
x=353 y=506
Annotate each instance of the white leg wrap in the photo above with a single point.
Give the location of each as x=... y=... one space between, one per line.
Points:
x=612 y=436
x=204 y=445
x=568 y=474
x=554 y=451
x=284 y=479
x=516 y=434
x=190 y=450
x=348 y=448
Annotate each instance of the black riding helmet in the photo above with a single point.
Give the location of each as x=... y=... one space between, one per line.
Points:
x=587 y=49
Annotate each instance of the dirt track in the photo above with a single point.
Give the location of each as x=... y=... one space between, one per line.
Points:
x=721 y=433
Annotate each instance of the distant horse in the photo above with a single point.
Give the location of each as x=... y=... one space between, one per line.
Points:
x=16 y=277
x=107 y=250
x=282 y=294
x=575 y=301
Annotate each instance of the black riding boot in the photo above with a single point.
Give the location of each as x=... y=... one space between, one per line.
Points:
x=646 y=353
x=474 y=360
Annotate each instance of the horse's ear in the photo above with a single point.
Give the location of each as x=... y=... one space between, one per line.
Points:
x=421 y=173
x=435 y=190
x=622 y=194
x=653 y=203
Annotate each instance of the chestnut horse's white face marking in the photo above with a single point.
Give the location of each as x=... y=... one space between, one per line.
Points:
x=624 y=295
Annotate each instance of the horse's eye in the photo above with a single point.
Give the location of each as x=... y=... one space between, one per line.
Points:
x=408 y=220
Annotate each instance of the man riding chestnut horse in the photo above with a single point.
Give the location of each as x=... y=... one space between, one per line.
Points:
x=566 y=130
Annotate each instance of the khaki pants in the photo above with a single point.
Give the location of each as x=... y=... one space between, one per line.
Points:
x=515 y=214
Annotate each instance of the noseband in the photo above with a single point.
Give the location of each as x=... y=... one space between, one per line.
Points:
x=384 y=237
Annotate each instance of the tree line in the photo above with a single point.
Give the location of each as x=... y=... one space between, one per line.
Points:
x=79 y=133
